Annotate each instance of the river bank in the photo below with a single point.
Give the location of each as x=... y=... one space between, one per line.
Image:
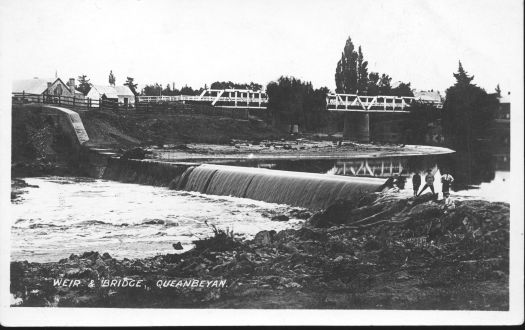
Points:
x=381 y=252
x=300 y=148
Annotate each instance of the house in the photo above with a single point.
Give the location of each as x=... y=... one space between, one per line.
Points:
x=33 y=88
x=428 y=97
x=122 y=94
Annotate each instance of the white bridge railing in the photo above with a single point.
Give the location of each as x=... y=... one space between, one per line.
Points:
x=380 y=103
x=221 y=98
x=243 y=98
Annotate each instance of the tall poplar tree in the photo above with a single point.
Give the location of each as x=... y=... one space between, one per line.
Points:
x=346 y=70
x=111 y=78
x=362 y=73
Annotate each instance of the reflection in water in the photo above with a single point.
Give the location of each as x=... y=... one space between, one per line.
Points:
x=472 y=171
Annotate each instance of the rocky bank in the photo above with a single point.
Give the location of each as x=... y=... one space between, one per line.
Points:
x=382 y=252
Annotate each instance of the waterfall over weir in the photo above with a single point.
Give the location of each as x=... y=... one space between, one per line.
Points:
x=313 y=191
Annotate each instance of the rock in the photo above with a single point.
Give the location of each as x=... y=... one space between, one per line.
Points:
x=99 y=263
x=372 y=245
x=73 y=272
x=106 y=256
x=154 y=222
x=300 y=214
x=264 y=237
x=178 y=246
x=281 y=217
x=90 y=255
x=135 y=153
x=335 y=214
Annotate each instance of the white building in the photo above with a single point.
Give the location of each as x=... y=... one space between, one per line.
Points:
x=432 y=97
x=122 y=94
x=52 y=87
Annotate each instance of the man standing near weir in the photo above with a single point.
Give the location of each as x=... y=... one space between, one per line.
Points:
x=416 y=182
x=429 y=183
x=446 y=180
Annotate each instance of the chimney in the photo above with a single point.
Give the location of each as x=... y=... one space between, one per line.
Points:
x=72 y=85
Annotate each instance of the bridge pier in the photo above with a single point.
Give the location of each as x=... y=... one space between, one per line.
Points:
x=357 y=126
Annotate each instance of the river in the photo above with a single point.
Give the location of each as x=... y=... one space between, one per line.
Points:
x=71 y=215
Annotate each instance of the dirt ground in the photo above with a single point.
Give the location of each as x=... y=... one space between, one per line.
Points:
x=382 y=252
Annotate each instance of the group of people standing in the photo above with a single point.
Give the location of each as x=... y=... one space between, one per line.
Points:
x=446 y=181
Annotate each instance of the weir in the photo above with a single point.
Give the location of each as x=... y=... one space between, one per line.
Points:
x=309 y=190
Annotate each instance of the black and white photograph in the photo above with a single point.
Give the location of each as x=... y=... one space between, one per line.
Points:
x=339 y=162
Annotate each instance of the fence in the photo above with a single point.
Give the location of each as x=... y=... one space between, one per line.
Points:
x=139 y=108
x=70 y=102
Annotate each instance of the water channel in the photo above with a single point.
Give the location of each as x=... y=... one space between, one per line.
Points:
x=72 y=215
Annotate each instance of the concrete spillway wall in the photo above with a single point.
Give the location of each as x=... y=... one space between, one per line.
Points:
x=67 y=120
x=309 y=190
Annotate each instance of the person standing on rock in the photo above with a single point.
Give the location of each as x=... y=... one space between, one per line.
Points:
x=446 y=180
x=429 y=183
x=416 y=183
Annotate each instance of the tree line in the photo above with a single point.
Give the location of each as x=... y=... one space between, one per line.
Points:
x=352 y=76
x=467 y=112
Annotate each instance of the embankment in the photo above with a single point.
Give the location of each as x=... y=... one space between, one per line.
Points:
x=421 y=256
x=109 y=129
x=313 y=191
x=46 y=140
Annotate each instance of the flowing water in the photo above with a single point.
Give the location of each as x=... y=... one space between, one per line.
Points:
x=70 y=215
x=315 y=191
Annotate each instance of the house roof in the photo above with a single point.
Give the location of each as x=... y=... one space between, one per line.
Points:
x=113 y=92
x=427 y=96
x=124 y=91
x=109 y=91
x=30 y=86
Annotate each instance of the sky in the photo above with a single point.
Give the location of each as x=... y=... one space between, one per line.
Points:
x=198 y=42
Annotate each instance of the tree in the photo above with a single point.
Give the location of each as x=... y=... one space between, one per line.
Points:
x=468 y=113
x=384 y=85
x=362 y=73
x=498 y=91
x=352 y=77
x=231 y=85
x=83 y=85
x=131 y=85
x=373 y=84
x=152 y=90
x=293 y=101
x=346 y=70
x=403 y=89
x=463 y=79
x=111 y=78
x=187 y=90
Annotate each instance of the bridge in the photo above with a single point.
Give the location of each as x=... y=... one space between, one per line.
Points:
x=360 y=103
x=220 y=98
x=356 y=108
